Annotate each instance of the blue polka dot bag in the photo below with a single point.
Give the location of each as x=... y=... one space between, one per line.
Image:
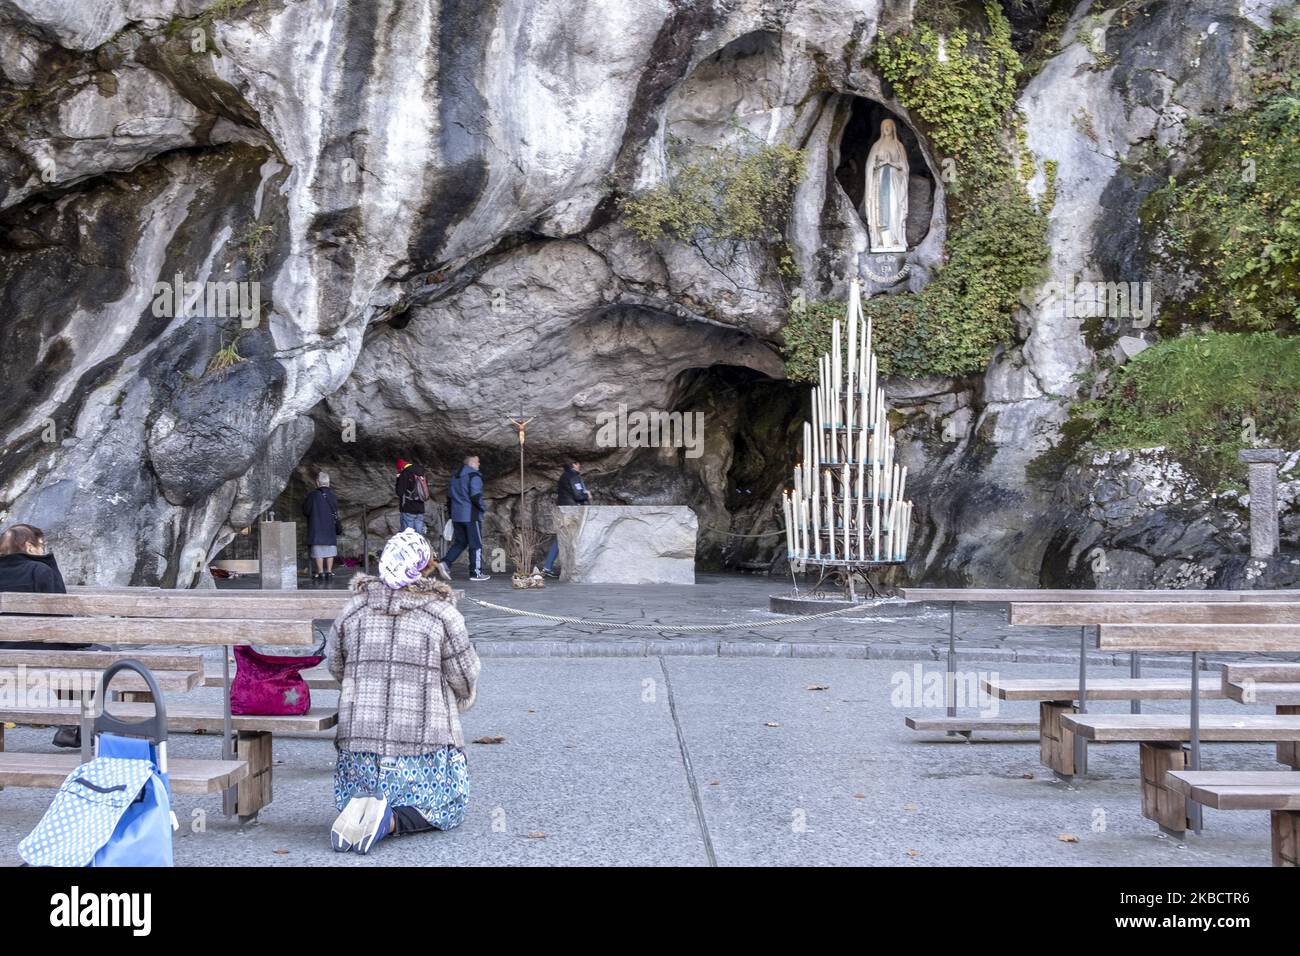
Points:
x=114 y=810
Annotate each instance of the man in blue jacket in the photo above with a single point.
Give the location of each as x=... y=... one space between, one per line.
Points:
x=466 y=507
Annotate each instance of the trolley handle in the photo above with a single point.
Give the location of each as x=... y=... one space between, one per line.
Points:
x=153 y=728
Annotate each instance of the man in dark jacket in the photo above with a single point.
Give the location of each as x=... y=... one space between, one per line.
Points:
x=571 y=490
x=412 y=492
x=466 y=507
x=26 y=565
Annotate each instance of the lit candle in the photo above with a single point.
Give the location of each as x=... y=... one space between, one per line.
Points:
x=789 y=529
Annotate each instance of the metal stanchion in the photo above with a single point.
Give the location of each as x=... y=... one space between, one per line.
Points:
x=950 y=682
x=227 y=733
x=1081 y=742
x=1134 y=671
x=1194 y=808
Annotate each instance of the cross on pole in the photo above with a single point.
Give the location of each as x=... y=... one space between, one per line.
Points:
x=521 y=425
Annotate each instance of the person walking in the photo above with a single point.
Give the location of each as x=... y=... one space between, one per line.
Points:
x=26 y=565
x=321 y=509
x=406 y=671
x=465 y=503
x=412 y=493
x=570 y=490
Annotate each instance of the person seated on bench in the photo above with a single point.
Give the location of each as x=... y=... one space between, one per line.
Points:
x=406 y=669
x=27 y=565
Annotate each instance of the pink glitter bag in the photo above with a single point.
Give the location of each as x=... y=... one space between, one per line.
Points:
x=270 y=686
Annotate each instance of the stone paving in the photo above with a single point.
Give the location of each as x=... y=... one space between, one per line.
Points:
x=891 y=629
x=690 y=760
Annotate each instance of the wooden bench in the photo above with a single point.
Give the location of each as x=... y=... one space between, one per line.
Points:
x=148 y=617
x=1275 y=791
x=253 y=736
x=189 y=777
x=1056 y=698
x=1276 y=684
x=1052 y=599
x=1160 y=739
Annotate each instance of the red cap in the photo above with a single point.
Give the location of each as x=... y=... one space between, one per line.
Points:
x=401 y=464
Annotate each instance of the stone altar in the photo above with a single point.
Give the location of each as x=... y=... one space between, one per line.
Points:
x=627 y=544
x=278 y=555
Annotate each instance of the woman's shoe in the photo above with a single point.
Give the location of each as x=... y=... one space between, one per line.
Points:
x=377 y=824
x=347 y=830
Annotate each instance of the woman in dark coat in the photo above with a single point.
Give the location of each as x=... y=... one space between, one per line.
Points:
x=26 y=565
x=321 y=509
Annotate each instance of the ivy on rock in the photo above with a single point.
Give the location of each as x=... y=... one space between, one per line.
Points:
x=960 y=85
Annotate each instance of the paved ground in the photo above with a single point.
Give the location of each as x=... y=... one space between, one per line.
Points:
x=670 y=760
x=891 y=629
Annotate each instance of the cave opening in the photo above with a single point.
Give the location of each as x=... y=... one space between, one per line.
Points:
x=861 y=130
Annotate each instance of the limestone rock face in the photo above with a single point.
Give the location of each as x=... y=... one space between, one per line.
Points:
x=426 y=196
x=640 y=544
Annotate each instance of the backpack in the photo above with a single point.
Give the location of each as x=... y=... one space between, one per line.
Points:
x=422 y=487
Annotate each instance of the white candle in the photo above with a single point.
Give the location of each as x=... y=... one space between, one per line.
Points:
x=852 y=356
x=846 y=511
x=815 y=510
x=902 y=482
x=817 y=432
x=807 y=446
x=830 y=515
x=789 y=533
x=862 y=467
x=835 y=368
x=875 y=530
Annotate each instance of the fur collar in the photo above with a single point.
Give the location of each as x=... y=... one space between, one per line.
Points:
x=394 y=601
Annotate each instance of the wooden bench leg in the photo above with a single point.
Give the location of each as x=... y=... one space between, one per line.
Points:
x=1286 y=837
x=254 y=791
x=1056 y=743
x=1289 y=752
x=1166 y=807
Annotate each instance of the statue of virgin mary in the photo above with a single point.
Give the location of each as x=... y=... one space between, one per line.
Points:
x=885 y=202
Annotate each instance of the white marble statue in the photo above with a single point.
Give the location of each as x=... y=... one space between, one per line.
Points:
x=885 y=202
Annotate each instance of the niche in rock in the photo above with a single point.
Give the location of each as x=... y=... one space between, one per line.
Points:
x=862 y=131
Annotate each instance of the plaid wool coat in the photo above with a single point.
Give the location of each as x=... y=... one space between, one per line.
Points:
x=406 y=668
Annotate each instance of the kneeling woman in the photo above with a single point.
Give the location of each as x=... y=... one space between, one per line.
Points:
x=406 y=669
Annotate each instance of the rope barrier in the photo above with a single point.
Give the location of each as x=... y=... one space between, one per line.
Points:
x=679 y=628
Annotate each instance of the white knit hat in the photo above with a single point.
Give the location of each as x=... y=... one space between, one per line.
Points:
x=404 y=558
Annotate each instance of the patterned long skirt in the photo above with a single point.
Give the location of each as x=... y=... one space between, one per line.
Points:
x=434 y=785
